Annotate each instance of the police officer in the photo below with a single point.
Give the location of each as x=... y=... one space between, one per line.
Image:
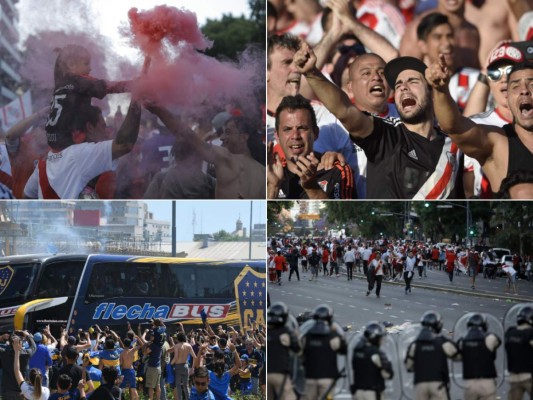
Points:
x=280 y=341
x=426 y=357
x=321 y=344
x=519 y=349
x=370 y=365
x=478 y=353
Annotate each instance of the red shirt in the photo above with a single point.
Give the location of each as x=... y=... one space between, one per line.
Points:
x=279 y=261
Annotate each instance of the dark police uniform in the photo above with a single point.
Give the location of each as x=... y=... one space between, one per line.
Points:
x=519 y=349
x=478 y=352
x=367 y=374
x=279 y=341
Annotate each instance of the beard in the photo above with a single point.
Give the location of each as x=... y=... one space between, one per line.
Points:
x=418 y=117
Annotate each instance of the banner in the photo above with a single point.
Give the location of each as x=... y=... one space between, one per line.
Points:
x=250 y=293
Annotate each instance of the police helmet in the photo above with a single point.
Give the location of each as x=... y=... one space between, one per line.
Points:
x=323 y=312
x=277 y=314
x=477 y=321
x=525 y=316
x=432 y=320
x=374 y=332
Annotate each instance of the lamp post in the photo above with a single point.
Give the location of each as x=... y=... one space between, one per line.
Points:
x=468 y=217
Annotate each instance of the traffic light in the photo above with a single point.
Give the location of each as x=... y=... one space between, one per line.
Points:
x=426 y=204
x=373 y=212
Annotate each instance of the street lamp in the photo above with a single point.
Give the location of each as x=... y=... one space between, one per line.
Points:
x=469 y=231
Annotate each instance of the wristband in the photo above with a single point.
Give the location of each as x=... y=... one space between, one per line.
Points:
x=483 y=79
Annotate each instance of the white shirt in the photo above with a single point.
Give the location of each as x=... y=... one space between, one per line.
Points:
x=27 y=391
x=71 y=169
x=375 y=263
x=349 y=256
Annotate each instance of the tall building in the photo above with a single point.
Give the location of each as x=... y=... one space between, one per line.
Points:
x=10 y=57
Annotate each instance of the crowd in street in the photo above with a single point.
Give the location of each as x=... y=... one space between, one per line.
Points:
x=206 y=363
x=390 y=260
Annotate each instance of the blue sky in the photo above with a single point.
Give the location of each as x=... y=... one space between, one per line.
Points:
x=211 y=215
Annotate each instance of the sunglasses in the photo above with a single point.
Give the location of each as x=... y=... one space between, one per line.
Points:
x=358 y=49
x=496 y=74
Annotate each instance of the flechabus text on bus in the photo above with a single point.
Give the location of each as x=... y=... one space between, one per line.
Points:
x=147 y=311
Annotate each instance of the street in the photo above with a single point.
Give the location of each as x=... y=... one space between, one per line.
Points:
x=353 y=309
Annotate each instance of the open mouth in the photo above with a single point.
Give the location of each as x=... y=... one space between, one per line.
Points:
x=297 y=148
x=408 y=102
x=378 y=90
x=526 y=110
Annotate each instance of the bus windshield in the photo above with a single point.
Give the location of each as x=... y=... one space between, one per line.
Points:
x=16 y=281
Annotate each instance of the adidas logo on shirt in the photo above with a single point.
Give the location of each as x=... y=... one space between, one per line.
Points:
x=412 y=154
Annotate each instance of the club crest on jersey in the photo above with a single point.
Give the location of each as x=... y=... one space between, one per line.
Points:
x=323 y=185
x=6 y=273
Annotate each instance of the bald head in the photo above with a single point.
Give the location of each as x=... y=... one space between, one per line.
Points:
x=367 y=83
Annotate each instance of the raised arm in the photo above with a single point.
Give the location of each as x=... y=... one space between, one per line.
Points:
x=213 y=154
x=21 y=127
x=359 y=125
x=368 y=38
x=128 y=131
x=17 y=347
x=473 y=139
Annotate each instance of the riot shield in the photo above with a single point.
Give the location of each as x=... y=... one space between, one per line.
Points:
x=509 y=319
x=405 y=338
x=393 y=387
x=298 y=363
x=460 y=330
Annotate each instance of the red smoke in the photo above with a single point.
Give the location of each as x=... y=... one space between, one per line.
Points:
x=149 y=28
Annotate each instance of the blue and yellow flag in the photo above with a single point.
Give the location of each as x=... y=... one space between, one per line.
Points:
x=250 y=293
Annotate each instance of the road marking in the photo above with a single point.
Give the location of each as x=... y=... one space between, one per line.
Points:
x=393 y=316
x=366 y=309
x=379 y=312
x=341 y=304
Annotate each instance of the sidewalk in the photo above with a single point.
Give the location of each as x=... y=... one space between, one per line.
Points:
x=438 y=280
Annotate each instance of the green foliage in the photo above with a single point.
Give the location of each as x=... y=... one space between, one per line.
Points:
x=514 y=220
x=232 y=35
x=223 y=236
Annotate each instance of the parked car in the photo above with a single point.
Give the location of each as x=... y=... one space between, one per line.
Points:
x=505 y=261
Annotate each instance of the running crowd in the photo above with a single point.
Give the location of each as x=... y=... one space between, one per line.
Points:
x=70 y=151
x=98 y=364
x=390 y=99
x=392 y=260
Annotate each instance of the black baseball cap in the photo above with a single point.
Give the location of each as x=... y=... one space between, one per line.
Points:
x=396 y=66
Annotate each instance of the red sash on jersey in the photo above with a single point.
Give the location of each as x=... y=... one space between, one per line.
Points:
x=46 y=189
x=441 y=182
x=6 y=179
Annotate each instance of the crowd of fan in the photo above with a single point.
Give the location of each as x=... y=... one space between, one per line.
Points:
x=346 y=67
x=99 y=364
x=332 y=256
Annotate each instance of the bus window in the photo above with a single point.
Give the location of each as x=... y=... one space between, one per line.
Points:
x=16 y=281
x=214 y=282
x=183 y=280
x=109 y=280
x=60 y=279
x=202 y=281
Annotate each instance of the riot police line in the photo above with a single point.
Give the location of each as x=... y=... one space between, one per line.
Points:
x=420 y=362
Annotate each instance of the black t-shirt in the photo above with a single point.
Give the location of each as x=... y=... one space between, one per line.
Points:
x=399 y=161
x=70 y=97
x=336 y=182
x=106 y=391
x=73 y=370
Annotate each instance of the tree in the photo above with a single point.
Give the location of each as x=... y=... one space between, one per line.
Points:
x=232 y=35
x=223 y=236
x=515 y=222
